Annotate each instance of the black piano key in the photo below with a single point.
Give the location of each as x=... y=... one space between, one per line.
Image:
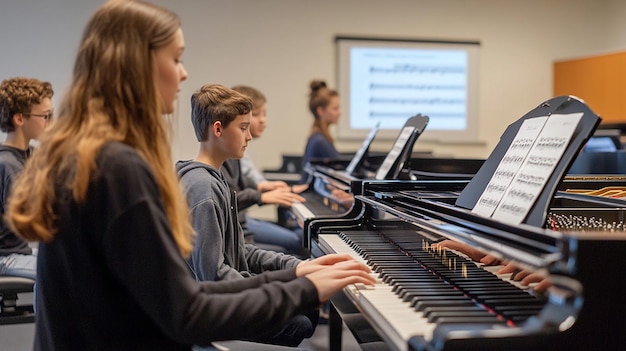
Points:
x=521 y=309
x=471 y=320
x=521 y=296
x=491 y=282
x=420 y=283
x=409 y=295
x=520 y=318
x=420 y=304
x=496 y=302
x=428 y=310
x=400 y=288
x=434 y=317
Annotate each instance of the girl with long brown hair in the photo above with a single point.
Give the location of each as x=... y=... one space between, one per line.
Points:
x=102 y=196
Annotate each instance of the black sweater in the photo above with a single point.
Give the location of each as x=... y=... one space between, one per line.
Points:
x=12 y=162
x=113 y=278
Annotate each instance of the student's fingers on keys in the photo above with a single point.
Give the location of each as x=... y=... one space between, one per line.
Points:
x=354 y=265
x=332 y=258
x=490 y=260
x=508 y=268
x=542 y=286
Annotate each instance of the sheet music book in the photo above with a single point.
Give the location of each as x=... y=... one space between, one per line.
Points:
x=526 y=167
x=359 y=156
x=392 y=156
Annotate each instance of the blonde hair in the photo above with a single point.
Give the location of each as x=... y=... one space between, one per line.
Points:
x=320 y=96
x=113 y=97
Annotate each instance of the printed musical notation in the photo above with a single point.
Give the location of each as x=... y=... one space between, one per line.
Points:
x=408 y=86
x=430 y=101
x=419 y=68
x=542 y=157
x=509 y=166
x=389 y=85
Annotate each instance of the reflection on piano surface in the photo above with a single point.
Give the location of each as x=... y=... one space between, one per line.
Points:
x=329 y=192
x=433 y=299
x=329 y=181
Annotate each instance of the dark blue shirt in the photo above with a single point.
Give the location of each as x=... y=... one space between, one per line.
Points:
x=317 y=148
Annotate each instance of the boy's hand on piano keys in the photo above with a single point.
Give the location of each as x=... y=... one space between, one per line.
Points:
x=306 y=267
x=271 y=185
x=342 y=197
x=298 y=188
x=281 y=196
x=331 y=279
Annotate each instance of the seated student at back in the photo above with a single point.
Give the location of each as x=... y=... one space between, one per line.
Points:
x=25 y=111
x=253 y=189
x=325 y=107
x=221 y=120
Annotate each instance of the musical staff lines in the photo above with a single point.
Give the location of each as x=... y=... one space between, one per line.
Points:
x=392 y=84
x=409 y=86
x=526 y=167
x=417 y=69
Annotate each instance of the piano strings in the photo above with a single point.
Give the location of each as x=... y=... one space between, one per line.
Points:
x=571 y=222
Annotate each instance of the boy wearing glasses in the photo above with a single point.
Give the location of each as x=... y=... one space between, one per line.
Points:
x=25 y=111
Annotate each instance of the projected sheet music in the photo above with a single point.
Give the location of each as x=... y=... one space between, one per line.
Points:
x=390 y=84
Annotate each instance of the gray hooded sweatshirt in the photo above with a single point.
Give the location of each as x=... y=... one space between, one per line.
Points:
x=219 y=251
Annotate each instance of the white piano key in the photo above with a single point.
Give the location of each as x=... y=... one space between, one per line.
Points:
x=302 y=210
x=396 y=319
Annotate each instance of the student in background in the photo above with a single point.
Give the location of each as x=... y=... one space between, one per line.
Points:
x=102 y=196
x=325 y=107
x=25 y=111
x=258 y=123
x=253 y=189
x=221 y=120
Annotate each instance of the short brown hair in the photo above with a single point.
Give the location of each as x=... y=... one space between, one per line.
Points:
x=257 y=96
x=18 y=95
x=215 y=102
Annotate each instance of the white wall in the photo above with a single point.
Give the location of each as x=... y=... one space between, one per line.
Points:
x=278 y=46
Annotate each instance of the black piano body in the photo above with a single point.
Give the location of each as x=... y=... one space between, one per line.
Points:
x=576 y=240
x=585 y=307
x=329 y=194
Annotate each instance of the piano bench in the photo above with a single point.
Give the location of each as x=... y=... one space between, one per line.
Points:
x=360 y=328
x=343 y=312
x=10 y=311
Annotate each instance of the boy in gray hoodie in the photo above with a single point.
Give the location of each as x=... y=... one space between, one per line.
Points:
x=221 y=120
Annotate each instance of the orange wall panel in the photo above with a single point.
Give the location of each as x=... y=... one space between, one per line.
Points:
x=599 y=80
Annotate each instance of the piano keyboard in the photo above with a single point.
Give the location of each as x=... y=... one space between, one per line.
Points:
x=314 y=206
x=418 y=290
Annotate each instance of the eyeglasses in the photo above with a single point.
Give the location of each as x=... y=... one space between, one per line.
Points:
x=48 y=116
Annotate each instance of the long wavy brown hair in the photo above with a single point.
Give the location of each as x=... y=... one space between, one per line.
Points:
x=113 y=97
